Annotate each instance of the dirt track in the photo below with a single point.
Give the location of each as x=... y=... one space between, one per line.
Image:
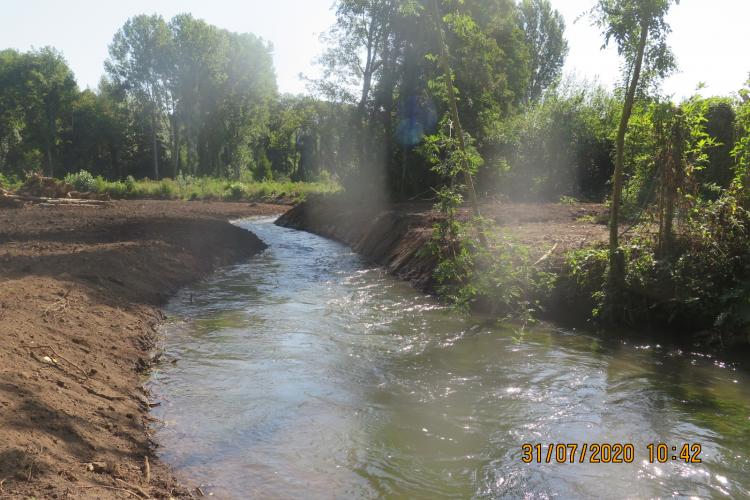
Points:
x=79 y=291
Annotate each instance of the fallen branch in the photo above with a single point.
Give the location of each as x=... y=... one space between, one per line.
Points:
x=93 y=391
x=55 y=353
x=52 y=201
x=546 y=255
x=136 y=488
x=59 y=305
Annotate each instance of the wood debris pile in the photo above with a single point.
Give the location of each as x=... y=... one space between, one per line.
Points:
x=49 y=192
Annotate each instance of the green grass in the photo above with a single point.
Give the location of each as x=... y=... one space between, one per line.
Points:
x=209 y=188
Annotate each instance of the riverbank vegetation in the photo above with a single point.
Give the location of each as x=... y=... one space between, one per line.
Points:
x=426 y=100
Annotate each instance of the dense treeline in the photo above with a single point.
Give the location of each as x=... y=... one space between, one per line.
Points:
x=178 y=97
x=184 y=97
x=432 y=99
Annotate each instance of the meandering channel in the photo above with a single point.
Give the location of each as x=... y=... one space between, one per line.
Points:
x=306 y=373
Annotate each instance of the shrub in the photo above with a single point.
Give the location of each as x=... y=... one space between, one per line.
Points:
x=166 y=190
x=82 y=181
x=130 y=184
x=235 y=191
x=116 y=189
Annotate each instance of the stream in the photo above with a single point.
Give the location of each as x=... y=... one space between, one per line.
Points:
x=306 y=372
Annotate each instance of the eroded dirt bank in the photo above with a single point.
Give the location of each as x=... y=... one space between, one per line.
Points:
x=79 y=296
x=393 y=235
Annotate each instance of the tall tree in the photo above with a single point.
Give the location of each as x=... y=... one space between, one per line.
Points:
x=639 y=29
x=198 y=68
x=139 y=59
x=12 y=121
x=544 y=30
x=353 y=63
x=49 y=91
x=247 y=93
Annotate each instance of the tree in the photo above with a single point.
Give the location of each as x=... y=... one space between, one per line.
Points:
x=249 y=88
x=639 y=29
x=12 y=121
x=353 y=63
x=456 y=121
x=197 y=70
x=544 y=30
x=38 y=90
x=138 y=61
x=741 y=150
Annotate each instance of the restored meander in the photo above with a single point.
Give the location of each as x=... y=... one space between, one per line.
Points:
x=306 y=372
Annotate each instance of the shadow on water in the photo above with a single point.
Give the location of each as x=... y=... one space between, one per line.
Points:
x=305 y=372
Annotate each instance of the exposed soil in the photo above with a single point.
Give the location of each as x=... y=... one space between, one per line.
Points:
x=393 y=235
x=79 y=294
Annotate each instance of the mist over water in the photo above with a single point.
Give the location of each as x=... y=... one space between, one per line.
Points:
x=306 y=373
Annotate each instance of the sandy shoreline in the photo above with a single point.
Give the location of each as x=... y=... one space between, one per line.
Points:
x=80 y=290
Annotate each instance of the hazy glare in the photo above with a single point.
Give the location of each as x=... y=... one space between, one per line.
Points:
x=710 y=38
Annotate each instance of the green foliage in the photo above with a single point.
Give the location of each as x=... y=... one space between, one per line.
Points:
x=587 y=268
x=494 y=274
x=543 y=30
x=648 y=136
x=561 y=146
x=235 y=191
x=37 y=89
x=130 y=185
x=703 y=284
x=9 y=182
x=706 y=283
x=82 y=181
x=741 y=150
x=622 y=22
x=208 y=188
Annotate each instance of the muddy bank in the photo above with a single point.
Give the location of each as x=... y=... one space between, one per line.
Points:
x=79 y=296
x=395 y=235
x=391 y=237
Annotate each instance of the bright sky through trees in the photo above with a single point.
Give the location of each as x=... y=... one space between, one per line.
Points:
x=709 y=39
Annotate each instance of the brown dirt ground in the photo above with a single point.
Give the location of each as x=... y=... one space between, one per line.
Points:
x=81 y=286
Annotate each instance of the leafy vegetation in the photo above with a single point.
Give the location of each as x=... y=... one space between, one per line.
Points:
x=82 y=181
x=208 y=188
x=453 y=101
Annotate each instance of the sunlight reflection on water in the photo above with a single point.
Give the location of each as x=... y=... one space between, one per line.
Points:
x=304 y=372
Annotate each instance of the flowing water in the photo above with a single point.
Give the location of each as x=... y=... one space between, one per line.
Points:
x=306 y=373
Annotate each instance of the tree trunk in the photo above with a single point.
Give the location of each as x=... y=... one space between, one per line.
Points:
x=672 y=184
x=616 y=257
x=51 y=136
x=448 y=75
x=156 y=150
x=175 y=145
x=50 y=168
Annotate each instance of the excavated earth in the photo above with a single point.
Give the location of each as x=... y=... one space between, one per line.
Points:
x=80 y=289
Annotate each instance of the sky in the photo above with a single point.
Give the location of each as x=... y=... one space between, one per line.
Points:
x=710 y=37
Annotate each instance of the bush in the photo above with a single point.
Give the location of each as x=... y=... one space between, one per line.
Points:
x=130 y=184
x=82 y=181
x=235 y=191
x=559 y=146
x=166 y=190
x=116 y=189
